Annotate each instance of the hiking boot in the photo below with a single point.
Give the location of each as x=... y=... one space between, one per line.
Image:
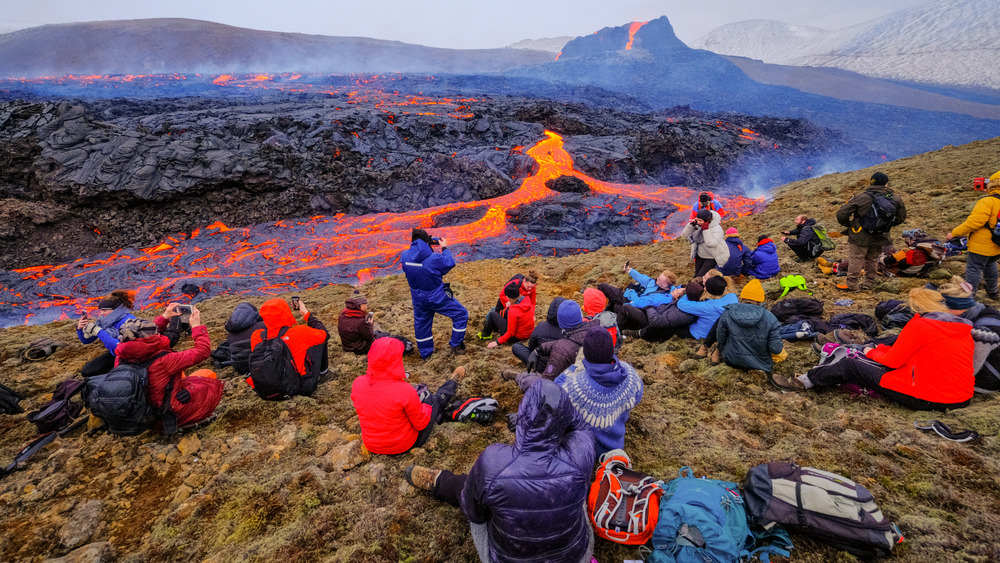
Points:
x=509 y=374
x=716 y=357
x=423 y=478
x=630 y=333
x=845 y=287
x=758 y=373
x=482 y=336
x=458 y=374
x=824 y=263
x=849 y=336
x=458 y=350
x=702 y=352
x=785 y=383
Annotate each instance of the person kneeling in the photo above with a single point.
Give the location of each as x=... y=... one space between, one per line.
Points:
x=393 y=418
x=526 y=502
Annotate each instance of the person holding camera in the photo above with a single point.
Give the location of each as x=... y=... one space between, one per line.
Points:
x=307 y=343
x=358 y=329
x=425 y=270
x=113 y=311
x=708 y=241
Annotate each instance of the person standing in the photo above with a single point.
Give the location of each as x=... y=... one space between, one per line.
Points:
x=425 y=270
x=868 y=217
x=981 y=260
x=708 y=242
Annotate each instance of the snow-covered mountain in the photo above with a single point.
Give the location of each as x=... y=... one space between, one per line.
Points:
x=550 y=44
x=953 y=43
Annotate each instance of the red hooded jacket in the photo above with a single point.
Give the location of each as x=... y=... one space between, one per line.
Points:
x=389 y=410
x=205 y=392
x=931 y=360
x=520 y=320
x=301 y=340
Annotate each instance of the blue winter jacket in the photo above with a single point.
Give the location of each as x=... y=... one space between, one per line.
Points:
x=707 y=311
x=531 y=496
x=110 y=323
x=604 y=395
x=652 y=295
x=739 y=257
x=424 y=269
x=764 y=261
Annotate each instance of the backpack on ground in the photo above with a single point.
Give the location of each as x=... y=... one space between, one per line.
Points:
x=893 y=313
x=623 y=504
x=119 y=398
x=273 y=375
x=59 y=412
x=986 y=341
x=704 y=520
x=9 y=400
x=881 y=216
x=801 y=306
x=824 y=506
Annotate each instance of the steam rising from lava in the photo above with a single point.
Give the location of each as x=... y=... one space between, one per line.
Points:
x=285 y=256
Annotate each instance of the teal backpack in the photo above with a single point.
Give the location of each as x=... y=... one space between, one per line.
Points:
x=704 y=520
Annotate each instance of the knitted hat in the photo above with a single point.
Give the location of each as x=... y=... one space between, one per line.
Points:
x=694 y=290
x=958 y=303
x=715 y=285
x=134 y=329
x=512 y=290
x=995 y=180
x=594 y=301
x=420 y=234
x=704 y=215
x=598 y=347
x=753 y=291
x=732 y=231
x=569 y=315
x=879 y=179
x=703 y=197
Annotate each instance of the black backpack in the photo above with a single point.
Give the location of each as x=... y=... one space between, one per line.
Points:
x=119 y=398
x=881 y=216
x=802 y=306
x=9 y=400
x=272 y=370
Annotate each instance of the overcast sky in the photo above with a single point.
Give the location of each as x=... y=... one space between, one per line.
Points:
x=462 y=24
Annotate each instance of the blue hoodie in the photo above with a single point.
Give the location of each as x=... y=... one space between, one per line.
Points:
x=764 y=260
x=739 y=257
x=707 y=311
x=652 y=295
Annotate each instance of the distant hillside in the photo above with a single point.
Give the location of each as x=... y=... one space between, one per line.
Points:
x=551 y=44
x=182 y=45
x=952 y=43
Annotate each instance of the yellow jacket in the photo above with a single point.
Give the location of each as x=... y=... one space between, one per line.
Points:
x=978 y=225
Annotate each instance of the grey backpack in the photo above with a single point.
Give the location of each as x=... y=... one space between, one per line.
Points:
x=824 y=506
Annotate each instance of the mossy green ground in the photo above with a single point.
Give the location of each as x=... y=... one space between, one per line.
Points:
x=261 y=486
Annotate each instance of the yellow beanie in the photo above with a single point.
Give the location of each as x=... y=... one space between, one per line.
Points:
x=753 y=291
x=995 y=180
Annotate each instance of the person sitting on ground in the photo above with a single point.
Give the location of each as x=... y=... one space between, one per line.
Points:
x=358 y=328
x=806 y=244
x=193 y=397
x=708 y=242
x=929 y=367
x=307 y=343
x=921 y=255
x=739 y=254
x=630 y=304
x=666 y=321
x=959 y=299
x=594 y=305
x=113 y=311
x=708 y=310
x=526 y=501
x=526 y=284
x=983 y=254
x=603 y=389
x=545 y=331
x=706 y=200
x=747 y=333
x=517 y=321
x=553 y=357
x=764 y=260
x=241 y=325
x=393 y=419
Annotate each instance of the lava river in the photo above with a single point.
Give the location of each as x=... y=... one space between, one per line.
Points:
x=284 y=256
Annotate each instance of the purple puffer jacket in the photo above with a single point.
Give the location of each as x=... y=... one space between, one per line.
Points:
x=562 y=353
x=531 y=496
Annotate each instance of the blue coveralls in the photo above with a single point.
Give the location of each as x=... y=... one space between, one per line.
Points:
x=424 y=270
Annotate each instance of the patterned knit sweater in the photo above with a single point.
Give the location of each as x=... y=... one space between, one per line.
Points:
x=604 y=395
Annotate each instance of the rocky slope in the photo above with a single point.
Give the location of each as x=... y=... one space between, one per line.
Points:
x=289 y=481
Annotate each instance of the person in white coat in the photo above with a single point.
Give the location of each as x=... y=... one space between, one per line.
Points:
x=708 y=241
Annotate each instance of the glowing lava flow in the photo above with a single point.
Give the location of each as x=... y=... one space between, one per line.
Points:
x=632 y=29
x=289 y=255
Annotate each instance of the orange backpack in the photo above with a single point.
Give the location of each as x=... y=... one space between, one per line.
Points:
x=624 y=505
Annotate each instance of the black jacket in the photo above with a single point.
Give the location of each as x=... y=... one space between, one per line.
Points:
x=849 y=215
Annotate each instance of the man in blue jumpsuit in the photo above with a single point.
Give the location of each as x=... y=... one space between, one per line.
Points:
x=424 y=270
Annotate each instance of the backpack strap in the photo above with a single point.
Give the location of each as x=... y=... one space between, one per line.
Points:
x=166 y=413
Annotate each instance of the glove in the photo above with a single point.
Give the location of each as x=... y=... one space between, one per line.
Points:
x=91 y=330
x=183 y=396
x=533 y=360
x=512 y=421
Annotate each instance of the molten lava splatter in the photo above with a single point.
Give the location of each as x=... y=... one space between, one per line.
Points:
x=288 y=255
